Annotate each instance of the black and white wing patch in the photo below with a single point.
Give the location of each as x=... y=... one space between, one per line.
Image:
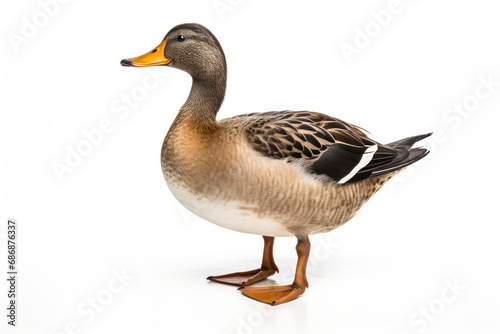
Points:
x=342 y=162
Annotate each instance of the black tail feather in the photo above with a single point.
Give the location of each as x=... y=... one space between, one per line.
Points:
x=415 y=154
x=407 y=143
x=403 y=155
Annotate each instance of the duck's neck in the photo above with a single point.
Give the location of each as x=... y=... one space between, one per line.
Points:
x=203 y=103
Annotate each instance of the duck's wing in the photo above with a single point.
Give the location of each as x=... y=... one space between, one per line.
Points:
x=326 y=145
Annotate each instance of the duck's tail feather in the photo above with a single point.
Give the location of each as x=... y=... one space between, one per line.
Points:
x=392 y=157
x=407 y=143
x=406 y=155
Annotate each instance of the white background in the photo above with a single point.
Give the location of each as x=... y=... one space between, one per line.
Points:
x=433 y=226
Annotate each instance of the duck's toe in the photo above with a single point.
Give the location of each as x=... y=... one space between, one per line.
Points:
x=243 y=278
x=274 y=295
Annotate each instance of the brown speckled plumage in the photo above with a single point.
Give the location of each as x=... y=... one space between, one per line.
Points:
x=276 y=173
x=222 y=166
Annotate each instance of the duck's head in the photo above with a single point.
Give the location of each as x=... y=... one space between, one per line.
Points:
x=189 y=47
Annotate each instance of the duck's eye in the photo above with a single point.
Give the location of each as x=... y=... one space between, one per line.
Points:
x=181 y=38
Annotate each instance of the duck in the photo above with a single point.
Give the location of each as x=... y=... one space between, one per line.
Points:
x=274 y=174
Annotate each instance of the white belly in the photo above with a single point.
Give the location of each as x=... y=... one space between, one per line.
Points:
x=233 y=215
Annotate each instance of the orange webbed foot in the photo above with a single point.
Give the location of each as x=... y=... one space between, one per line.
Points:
x=273 y=295
x=280 y=294
x=243 y=278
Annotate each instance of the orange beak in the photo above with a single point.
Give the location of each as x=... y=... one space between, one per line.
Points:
x=155 y=57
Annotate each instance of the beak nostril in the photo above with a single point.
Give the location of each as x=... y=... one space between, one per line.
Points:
x=153 y=51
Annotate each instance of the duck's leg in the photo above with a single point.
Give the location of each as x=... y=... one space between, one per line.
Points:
x=279 y=294
x=245 y=278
